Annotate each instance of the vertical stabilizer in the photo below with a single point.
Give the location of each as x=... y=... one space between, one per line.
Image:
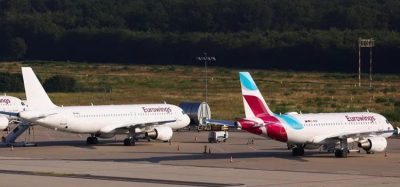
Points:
x=253 y=101
x=36 y=96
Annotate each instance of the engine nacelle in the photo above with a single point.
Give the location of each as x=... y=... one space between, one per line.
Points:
x=160 y=133
x=3 y=123
x=374 y=144
x=105 y=135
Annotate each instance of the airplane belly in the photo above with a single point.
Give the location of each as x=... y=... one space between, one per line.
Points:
x=174 y=125
x=83 y=126
x=298 y=136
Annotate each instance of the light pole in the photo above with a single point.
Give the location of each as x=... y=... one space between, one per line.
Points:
x=365 y=43
x=206 y=59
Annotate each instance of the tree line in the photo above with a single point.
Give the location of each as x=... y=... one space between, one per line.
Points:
x=12 y=82
x=280 y=34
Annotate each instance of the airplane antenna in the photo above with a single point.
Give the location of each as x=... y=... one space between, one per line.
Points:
x=165 y=102
x=367 y=110
x=5 y=94
x=91 y=104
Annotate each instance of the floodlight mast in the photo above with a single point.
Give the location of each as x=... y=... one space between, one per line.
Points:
x=365 y=43
x=206 y=59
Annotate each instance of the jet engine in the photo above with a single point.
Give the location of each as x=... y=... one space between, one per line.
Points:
x=3 y=123
x=374 y=144
x=160 y=133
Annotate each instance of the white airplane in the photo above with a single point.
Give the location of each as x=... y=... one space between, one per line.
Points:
x=333 y=131
x=10 y=104
x=156 y=121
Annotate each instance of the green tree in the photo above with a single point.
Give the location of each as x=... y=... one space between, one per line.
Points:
x=17 y=48
x=60 y=83
x=11 y=82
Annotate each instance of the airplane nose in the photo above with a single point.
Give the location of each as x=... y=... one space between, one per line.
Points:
x=186 y=120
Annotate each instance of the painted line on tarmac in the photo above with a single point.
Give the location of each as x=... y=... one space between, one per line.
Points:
x=123 y=179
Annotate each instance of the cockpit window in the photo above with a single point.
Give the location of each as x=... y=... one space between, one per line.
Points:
x=183 y=112
x=387 y=121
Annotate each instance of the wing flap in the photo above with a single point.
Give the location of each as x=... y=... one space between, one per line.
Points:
x=110 y=128
x=361 y=133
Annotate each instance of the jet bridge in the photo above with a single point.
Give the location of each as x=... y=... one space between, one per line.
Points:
x=198 y=112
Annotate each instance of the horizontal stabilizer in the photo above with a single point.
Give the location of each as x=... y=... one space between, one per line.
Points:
x=221 y=122
x=9 y=113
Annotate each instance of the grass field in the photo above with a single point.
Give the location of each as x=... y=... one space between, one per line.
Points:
x=283 y=90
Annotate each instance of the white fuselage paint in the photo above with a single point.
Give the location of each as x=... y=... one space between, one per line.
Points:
x=11 y=104
x=325 y=124
x=91 y=119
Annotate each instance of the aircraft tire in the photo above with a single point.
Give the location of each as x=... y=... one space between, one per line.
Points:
x=129 y=142
x=341 y=153
x=91 y=140
x=297 y=151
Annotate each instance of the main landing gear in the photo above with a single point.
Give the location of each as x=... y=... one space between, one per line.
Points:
x=343 y=150
x=92 y=140
x=298 y=150
x=130 y=140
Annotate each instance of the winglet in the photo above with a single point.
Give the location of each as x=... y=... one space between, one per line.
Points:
x=36 y=96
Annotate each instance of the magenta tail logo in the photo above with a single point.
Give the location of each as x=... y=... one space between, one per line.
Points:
x=256 y=105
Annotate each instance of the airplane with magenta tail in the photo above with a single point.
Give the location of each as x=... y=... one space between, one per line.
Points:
x=333 y=131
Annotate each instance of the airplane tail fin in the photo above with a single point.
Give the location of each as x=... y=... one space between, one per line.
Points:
x=253 y=101
x=36 y=96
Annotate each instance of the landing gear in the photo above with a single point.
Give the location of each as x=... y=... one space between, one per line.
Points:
x=92 y=140
x=341 y=153
x=343 y=150
x=298 y=150
x=130 y=140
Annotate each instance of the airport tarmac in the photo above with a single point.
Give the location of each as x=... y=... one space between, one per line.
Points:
x=64 y=159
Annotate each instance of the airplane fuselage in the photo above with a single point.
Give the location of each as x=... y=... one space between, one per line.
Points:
x=93 y=119
x=306 y=128
x=10 y=104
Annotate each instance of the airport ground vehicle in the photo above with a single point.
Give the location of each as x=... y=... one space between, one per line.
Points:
x=217 y=136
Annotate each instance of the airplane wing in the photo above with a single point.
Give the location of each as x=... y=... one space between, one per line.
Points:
x=142 y=123
x=322 y=138
x=9 y=113
x=221 y=122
